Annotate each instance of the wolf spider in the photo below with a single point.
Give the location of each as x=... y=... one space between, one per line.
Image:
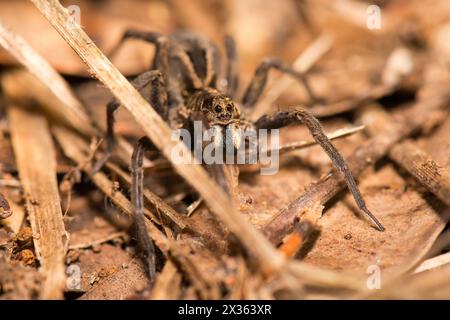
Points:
x=183 y=85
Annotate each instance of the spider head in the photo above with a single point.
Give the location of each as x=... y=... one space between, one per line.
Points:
x=222 y=115
x=220 y=110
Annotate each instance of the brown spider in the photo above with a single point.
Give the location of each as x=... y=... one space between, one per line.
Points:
x=185 y=84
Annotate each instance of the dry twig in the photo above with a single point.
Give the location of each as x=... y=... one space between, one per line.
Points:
x=433 y=263
x=422 y=166
x=167 y=285
x=35 y=154
x=73 y=112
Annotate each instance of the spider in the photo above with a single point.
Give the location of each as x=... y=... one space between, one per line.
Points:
x=184 y=84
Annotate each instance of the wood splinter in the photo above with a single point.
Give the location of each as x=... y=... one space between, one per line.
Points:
x=422 y=167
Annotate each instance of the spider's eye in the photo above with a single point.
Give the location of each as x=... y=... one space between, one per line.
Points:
x=230 y=108
x=218 y=109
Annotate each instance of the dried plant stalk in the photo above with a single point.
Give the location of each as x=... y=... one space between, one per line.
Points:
x=90 y=244
x=340 y=133
x=325 y=278
x=432 y=284
x=73 y=113
x=433 y=263
x=167 y=285
x=267 y=258
x=422 y=166
x=441 y=243
x=35 y=155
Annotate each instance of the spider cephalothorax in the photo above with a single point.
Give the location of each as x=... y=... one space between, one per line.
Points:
x=182 y=86
x=217 y=108
x=219 y=114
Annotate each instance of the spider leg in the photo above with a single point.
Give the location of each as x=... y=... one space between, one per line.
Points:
x=257 y=84
x=284 y=118
x=212 y=58
x=208 y=58
x=169 y=49
x=157 y=96
x=198 y=59
x=182 y=59
x=232 y=72
x=145 y=244
x=165 y=52
x=161 y=42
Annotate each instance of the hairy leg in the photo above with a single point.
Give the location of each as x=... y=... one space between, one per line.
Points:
x=145 y=244
x=232 y=72
x=296 y=115
x=213 y=64
x=202 y=54
x=152 y=81
x=161 y=42
x=257 y=84
x=190 y=51
x=197 y=58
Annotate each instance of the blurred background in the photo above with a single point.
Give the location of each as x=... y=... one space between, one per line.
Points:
x=344 y=44
x=283 y=28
